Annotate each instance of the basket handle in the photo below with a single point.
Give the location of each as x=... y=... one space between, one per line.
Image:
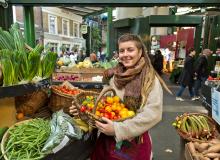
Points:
x=74 y=101
x=103 y=92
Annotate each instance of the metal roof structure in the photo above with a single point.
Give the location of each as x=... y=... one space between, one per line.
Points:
x=85 y=11
x=116 y=3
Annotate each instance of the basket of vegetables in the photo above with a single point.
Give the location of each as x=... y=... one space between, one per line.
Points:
x=195 y=127
x=62 y=96
x=92 y=106
x=25 y=140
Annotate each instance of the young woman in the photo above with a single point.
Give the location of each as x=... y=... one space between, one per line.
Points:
x=136 y=83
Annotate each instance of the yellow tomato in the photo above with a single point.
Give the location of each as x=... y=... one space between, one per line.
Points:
x=123 y=114
x=109 y=100
x=116 y=99
x=131 y=113
x=124 y=109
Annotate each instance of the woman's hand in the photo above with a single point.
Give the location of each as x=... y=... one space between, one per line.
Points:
x=73 y=110
x=106 y=128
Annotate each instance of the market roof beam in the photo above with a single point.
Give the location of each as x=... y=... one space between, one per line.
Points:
x=171 y=20
x=117 y=3
x=95 y=13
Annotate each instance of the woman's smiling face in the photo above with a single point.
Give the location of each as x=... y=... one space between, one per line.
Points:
x=129 y=54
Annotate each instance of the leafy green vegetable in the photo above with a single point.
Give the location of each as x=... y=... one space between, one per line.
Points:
x=48 y=64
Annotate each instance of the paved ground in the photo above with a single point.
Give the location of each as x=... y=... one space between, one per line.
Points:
x=166 y=142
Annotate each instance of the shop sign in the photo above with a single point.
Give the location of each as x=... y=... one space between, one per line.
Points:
x=216 y=105
x=83 y=28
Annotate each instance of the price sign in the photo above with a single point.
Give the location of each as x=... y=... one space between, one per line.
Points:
x=83 y=28
x=216 y=105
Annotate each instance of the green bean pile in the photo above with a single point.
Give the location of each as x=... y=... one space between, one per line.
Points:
x=27 y=139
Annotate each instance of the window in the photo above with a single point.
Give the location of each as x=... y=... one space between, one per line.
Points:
x=65 y=27
x=66 y=47
x=75 y=30
x=52 y=46
x=52 y=24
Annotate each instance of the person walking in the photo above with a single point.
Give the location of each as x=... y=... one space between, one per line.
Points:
x=201 y=71
x=186 y=77
x=158 y=62
x=137 y=84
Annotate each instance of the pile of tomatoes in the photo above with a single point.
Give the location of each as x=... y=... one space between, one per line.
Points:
x=66 y=90
x=109 y=107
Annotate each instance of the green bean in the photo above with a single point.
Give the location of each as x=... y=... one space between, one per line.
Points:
x=26 y=140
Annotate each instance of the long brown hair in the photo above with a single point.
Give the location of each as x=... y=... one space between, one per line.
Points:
x=149 y=79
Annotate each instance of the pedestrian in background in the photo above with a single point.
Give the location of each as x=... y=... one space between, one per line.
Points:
x=158 y=62
x=186 y=77
x=93 y=57
x=201 y=71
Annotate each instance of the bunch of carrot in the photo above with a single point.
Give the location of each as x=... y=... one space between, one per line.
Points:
x=206 y=150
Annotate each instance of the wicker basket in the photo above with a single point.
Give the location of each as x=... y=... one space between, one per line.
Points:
x=90 y=117
x=59 y=100
x=30 y=103
x=5 y=137
x=188 y=137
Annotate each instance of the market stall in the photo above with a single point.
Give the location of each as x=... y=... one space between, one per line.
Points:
x=25 y=95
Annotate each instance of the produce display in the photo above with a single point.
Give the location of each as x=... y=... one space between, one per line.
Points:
x=213 y=82
x=27 y=139
x=205 y=151
x=20 y=65
x=109 y=107
x=67 y=90
x=72 y=77
x=195 y=126
x=65 y=77
x=65 y=63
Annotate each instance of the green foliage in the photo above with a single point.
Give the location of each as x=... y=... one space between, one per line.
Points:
x=96 y=39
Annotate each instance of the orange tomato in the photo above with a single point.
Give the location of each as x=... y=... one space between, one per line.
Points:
x=108 y=109
x=20 y=116
x=118 y=108
x=97 y=113
x=114 y=106
x=122 y=105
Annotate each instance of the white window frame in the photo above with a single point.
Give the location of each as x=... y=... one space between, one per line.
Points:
x=57 y=43
x=66 y=45
x=68 y=26
x=50 y=15
x=74 y=29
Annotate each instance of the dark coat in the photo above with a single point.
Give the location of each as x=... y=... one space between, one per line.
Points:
x=158 y=63
x=186 y=77
x=202 y=67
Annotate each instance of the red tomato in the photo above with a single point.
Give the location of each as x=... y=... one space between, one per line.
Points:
x=83 y=109
x=106 y=115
